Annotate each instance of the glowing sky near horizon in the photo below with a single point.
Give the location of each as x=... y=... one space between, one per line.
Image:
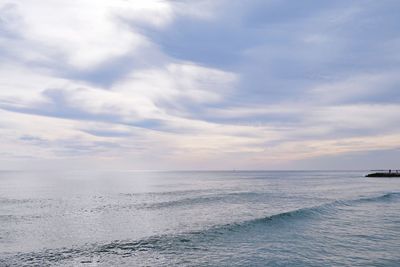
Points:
x=199 y=84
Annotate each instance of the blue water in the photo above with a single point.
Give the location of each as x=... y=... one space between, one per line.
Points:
x=128 y=218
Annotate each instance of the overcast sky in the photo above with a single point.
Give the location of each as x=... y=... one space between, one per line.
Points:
x=268 y=84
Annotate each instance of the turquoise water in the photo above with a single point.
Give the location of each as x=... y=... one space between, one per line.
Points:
x=128 y=218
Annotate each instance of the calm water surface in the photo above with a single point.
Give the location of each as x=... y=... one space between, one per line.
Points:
x=127 y=218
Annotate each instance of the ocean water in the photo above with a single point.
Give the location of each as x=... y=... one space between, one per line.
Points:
x=249 y=218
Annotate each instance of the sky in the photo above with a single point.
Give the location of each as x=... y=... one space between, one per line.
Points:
x=219 y=84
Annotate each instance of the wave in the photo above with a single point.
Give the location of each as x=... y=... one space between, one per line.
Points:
x=196 y=240
x=10 y=201
x=385 y=197
x=165 y=193
x=200 y=200
x=185 y=201
x=228 y=197
x=325 y=208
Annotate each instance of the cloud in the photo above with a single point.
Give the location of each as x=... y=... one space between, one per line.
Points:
x=207 y=84
x=144 y=98
x=82 y=34
x=364 y=87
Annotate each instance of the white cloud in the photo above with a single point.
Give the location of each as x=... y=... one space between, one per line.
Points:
x=22 y=86
x=365 y=86
x=79 y=32
x=178 y=80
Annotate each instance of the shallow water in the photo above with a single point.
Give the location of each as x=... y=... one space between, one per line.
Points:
x=127 y=218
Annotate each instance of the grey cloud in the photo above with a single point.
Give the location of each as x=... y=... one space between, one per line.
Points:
x=61 y=104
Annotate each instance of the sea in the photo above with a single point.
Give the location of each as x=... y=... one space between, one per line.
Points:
x=198 y=218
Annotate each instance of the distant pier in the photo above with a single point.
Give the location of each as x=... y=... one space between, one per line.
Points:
x=384 y=173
